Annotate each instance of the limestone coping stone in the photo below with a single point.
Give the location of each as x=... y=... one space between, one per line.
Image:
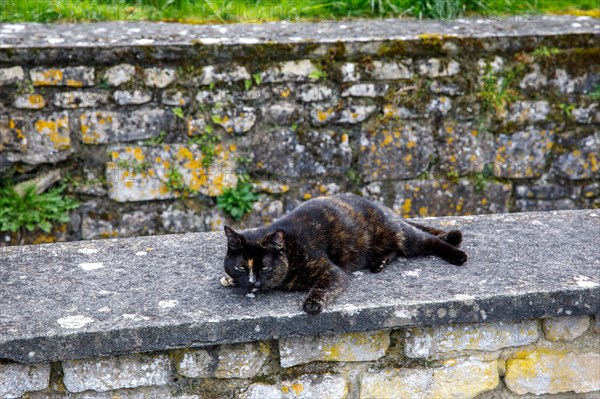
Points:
x=106 y=297
x=111 y=42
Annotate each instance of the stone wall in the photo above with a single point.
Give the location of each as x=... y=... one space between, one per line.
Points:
x=483 y=360
x=436 y=122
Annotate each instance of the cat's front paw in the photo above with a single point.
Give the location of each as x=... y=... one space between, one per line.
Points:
x=458 y=258
x=454 y=238
x=227 y=281
x=312 y=307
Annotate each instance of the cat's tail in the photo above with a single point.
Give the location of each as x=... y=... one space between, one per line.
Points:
x=452 y=237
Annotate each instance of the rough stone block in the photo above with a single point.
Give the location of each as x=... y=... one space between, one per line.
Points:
x=168 y=171
x=289 y=71
x=546 y=370
x=227 y=361
x=29 y=101
x=220 y=96
x=455 y=379
x=181 y=221
x=435 y=68
x=159 y=77
x=397 y=150
x=580 y=158
x=163 y=392
x=565 y=328
x=238 y=120
x=349 y=72
x=351 y=347
x=587 y=115
x=115 y=372
x=11 y=75
x=175 y=98
x=449 y=89
x=381 y=70
x=16 y=379
x=283 y=152
x=315 y=92
x=528 y=111
x=79 y=76
x=391 y=111
x=352 y=114
x=47 y=141
x=99 y=225
x=425 y=342
x=100 y=127
x=119 y=74
x=196 y=126
x=211 y=74
x=440 y=105
x=306 y=387
x=132 y=97
x=365 y=90
x=282 y=113
x=522 y=155
x=534 y=80
x=466 y=150
x=80 y=99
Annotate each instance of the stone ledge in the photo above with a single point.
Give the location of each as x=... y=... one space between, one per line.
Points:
x=94 y=298
x=173 y=40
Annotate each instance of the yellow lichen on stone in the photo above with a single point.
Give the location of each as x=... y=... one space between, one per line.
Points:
x=51 y=77
x=549 y=370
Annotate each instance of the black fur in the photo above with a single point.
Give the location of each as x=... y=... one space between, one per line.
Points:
x=316 y=246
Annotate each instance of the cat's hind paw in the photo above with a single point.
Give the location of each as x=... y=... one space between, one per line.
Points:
x=227 y=281
x=454 y=238
x=312 y=307
x=379 y=267
x=458 y=258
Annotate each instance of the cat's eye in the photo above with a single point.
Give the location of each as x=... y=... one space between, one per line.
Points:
x=266 y=267
x=240 y=267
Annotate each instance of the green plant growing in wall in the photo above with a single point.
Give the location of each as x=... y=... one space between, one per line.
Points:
x=175 y=181
x=595 y=94
x=178 y=112
x=207 y=143
x=567 y=109
x=317 y=74
x=31 y=210
x=158 y=140
x=545 y=52
x=496 y=91
x=133 y=165
x=257 y=78
x=238 y=200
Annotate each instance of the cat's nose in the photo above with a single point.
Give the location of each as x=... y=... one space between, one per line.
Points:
x=256 y=284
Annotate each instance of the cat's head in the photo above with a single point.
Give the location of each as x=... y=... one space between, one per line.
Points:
x=256 y=262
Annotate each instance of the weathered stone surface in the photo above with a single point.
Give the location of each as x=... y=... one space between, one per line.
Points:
x=175 y=98
x=210 y=74
x=100 y=127
x=108 y=373
x=16 y=379
x=504 y=279
x=449 y=89
x=381 y=70
x=466 y=151
x=29 y=101
x=565 y=328
x=238 y=120
x=441 y=105
x=272 y=153
x=226 y=361
x=522 y=155
x=426 y=342
x=528 y=111
x=534 y=80
x=542 y=191
x=47 y=141
x=435 y=68
x=306 y=387
x=413 y=198
x=580 y=159
x=349 y=72
x=181 y=221
x=80 y=99
x=159 y=77
x=79 y=76
x=311 y=92
x=392 y=111
x=545 y=370
x=119 y=74
x=167 y=171
x=455 y=379
x=323 y=114
x=132 y=97
x=289 y=71
x=219 y=96
x=11 y=75
x=96 y=224
x=365 y=90
x=596 y=326
x=352 y=347
x=587 y=115
x=397 y=150
x=162 y=392
x=196 y=126
x=282 y=113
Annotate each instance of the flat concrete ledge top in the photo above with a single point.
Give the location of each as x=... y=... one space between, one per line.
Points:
x=90 y=298
x=115 y=34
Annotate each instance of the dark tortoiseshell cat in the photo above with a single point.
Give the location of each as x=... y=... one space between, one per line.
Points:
x=317 y=245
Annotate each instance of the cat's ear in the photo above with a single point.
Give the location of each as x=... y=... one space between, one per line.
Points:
x=234 y=240
x=274 y=240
